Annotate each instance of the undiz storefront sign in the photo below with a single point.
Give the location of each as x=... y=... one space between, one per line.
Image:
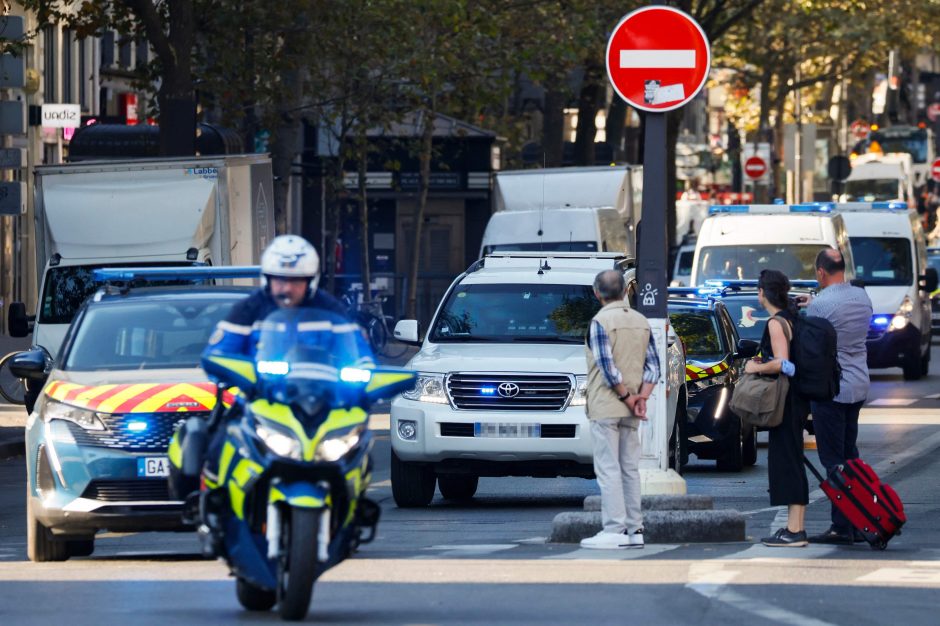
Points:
x=61 y=115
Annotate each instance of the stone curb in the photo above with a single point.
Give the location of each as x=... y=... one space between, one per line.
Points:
x=660 y=526
x=662 y=503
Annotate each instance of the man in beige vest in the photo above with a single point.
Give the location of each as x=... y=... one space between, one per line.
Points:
x=623 y=368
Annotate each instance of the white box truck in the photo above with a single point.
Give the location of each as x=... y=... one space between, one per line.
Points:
x=215 y=210
x=533 y=196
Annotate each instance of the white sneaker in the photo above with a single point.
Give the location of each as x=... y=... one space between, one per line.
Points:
x=606 y=541
x=636 y=539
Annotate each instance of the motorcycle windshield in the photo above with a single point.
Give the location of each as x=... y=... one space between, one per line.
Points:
x=301 y=353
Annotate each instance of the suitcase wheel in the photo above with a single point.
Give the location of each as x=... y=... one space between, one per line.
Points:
x=879 y=545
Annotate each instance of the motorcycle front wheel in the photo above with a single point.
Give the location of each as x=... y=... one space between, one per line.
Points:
x=299 y=566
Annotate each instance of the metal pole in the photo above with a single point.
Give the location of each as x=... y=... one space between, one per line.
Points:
x=651 y=278
x=798 y=139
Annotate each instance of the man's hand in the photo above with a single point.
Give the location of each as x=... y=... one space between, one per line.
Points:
x=751 y=366
x=803 y=300
x=637 y=406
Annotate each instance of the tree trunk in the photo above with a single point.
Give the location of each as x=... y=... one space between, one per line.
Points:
x=589 y=103
x=427 y=143
x=553 y=128
x=284 y=149
x=364 y=215
x=616 y=122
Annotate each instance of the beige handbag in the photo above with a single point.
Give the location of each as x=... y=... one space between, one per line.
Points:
x=759 y=399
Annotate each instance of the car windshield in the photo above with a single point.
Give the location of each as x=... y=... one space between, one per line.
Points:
x=933 y=260
x=145 y=335
x=542 y=246
x=914 y=142
x=66 y=288
x=871 y=190
x=882 y=260
x=745 y=262
x=747 y=315
x=699 y=333
x=516 y=312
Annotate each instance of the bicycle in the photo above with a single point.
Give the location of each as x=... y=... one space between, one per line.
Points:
x=370 y=314
x=12 y=389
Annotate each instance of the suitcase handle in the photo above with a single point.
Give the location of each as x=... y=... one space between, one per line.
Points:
x=813 y=469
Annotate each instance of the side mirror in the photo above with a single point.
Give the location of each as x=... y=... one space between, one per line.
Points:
x=929 y=281
x=18 y=322
x=30 y=364
x=406 y=331
x=746 y=348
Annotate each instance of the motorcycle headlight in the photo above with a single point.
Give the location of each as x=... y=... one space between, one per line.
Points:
x=903 y=317
x=580 y=391
x=54 y=410
x=428 y=388
x=335 y=448
x=279 y=442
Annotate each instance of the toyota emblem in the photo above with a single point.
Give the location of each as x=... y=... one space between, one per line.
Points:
x=508 y=390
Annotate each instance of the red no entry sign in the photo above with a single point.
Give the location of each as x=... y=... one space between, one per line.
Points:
x=935 y=170
x=658 y=58
x=755 y=167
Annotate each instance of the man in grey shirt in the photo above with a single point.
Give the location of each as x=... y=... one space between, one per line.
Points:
x=849 y=310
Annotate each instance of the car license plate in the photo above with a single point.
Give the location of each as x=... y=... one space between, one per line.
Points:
x=501 y=430
x=153 y=467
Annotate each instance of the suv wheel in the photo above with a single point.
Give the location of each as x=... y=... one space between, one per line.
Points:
x=912 y=367
x=730 y=459
x=677 y=447
x=458 y=487
x=749 y=453
x=41 y=545
x=412 y=483
x=925 y=362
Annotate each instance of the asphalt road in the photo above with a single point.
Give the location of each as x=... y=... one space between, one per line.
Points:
x=488 y=562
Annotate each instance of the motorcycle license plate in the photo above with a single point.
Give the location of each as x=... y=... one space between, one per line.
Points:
x=503 y=430
x=153 y=467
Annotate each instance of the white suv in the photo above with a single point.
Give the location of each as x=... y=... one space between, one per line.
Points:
x=502 y=378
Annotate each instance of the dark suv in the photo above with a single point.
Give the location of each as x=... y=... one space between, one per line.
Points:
x=715 y=359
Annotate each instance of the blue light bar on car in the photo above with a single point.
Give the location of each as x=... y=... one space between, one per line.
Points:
x=127 y=274
x=728 y=208
x=894 y=205
x=880 y=321
x=812 y=207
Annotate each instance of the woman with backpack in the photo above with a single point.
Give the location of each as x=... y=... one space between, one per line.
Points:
x=788 y=484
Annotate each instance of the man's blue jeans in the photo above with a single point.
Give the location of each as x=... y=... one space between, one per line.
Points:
x=836 y=426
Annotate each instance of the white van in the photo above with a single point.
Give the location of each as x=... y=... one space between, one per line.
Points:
x=890 y=256
x=555 y=230
x=881 y=177
x=737 y=241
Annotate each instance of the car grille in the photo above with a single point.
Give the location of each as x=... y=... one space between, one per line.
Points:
x=141 y=490
x=540 y=392
x=156 y=437
x=549 y=431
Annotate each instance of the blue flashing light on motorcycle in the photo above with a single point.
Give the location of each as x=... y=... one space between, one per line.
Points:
x=355 y=375
x=273 y=368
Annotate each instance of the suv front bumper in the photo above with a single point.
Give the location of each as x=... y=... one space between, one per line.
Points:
x=564 y=444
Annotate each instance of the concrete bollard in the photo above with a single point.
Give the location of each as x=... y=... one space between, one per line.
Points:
x=695 y=526
x=662 y=503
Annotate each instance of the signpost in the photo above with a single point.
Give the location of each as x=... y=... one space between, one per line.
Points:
x=755 y=167
x=935 y=170
x=657 y=60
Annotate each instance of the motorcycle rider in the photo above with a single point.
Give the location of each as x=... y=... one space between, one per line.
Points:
x=290 y=273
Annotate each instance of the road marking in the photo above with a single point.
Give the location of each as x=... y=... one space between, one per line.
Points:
x=893 y=402
x=624 y=554
x=752 y=605
x=908 y=417
x=643 y=59
x=901 y=576
x=467 y=550
x=759 y=553
x=379 y=421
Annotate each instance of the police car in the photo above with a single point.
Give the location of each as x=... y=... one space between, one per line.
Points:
x=126 y=375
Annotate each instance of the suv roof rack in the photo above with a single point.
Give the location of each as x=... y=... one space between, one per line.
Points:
x=183 y=272
x=545 y=260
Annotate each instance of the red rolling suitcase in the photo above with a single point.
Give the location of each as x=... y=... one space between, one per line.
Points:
x=871 y=506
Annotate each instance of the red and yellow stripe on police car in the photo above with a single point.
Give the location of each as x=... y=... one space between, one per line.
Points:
x=137 y=398
x=697 y=372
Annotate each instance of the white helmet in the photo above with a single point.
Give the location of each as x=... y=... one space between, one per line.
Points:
x=290 y=256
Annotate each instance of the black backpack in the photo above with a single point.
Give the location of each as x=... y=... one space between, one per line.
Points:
x=814 y=352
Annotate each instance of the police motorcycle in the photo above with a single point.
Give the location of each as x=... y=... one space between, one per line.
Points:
x=288 y=501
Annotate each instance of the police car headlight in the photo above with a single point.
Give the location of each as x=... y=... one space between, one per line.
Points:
x=278 y=442
x=335 y=448
x=580 y=391
x=428 y=388
x=54 y=410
